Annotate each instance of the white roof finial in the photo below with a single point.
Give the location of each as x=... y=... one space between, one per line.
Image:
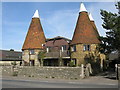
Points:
x=90 y=16
x=82 y=8
x=36 y=14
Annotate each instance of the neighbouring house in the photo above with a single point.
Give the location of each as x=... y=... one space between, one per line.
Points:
x=60 y=51
x=7 y=57
x=113 y=59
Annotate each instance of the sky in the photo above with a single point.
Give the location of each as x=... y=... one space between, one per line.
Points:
x=57 y=19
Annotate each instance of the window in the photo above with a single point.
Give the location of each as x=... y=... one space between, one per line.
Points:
x=23 y=52
x=86 y=47
x=74 y=48
x=32 y=51
x=48 y=49
x=63 y=47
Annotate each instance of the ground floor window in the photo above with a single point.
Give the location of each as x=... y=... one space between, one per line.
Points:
x=50 y=62
x=32 y=51
x=56 y=62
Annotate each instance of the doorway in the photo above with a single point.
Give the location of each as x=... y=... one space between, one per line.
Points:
x=32 y=62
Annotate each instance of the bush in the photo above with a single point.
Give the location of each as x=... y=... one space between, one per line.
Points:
x=14 y=63
x=53 y=77
x=71 y=64
x=15 y=73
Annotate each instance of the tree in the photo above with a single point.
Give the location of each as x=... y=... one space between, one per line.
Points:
x=41 y=56
x=111 y=22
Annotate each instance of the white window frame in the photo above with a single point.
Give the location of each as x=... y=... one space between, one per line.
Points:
x=86 y=47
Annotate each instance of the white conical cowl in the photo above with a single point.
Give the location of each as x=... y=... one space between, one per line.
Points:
x=82 y=8
x=90 y=16
x=36 y=14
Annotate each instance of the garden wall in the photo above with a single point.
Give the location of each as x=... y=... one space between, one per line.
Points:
x=45 y=72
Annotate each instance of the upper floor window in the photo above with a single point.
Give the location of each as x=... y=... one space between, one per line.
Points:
x=32 y=51
x=23 y=53
x=74 y=48
x=86 y=47
x=48 y=49
x=64 y=47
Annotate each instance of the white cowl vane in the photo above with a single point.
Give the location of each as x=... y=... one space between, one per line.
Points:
x=82 y=8
x=90 y=16
x=36 y=14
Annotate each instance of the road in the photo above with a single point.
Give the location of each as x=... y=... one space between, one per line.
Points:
x=27 y=83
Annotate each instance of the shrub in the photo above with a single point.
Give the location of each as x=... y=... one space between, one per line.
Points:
x=71 y=64
x=53 y=77
x=15 y=73
x=14 y=63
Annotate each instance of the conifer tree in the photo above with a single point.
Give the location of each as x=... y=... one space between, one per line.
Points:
x=111 y=22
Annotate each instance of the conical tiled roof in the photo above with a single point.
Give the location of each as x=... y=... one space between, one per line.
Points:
x=93 y=23
x=35 y=36
x=84 y=32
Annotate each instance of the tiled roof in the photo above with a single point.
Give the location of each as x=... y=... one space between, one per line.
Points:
x=57 y=41
x=58 y=37
x=84 y=31
x=35 y=36
x=6 y=55
x=113 y=56
x=95 y=28
x=93 y=23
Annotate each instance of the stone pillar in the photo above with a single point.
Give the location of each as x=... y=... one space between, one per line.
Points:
x=82 y=71
x=116 y=70
x=26 y=57
x=37 y=62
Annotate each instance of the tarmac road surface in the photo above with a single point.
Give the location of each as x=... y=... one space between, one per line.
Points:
x=94 y=82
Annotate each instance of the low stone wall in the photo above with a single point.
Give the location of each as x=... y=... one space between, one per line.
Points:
x=6 y=70
x=8 y=63
x=46 y=72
